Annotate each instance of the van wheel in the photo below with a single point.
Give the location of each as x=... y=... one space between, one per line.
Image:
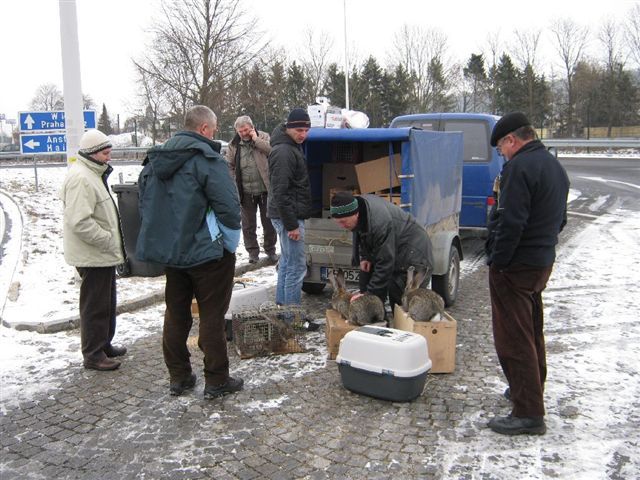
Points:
x=313 y=288
x=447 y=285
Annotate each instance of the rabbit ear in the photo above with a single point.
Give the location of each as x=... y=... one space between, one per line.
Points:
x=332 y=279
x=419 y=278
x=340 y=278
x=409 y=285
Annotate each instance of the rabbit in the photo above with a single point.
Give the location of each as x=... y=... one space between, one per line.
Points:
x=421 y=304
x=365 y=309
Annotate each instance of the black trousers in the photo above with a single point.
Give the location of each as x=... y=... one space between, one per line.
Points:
x=212 y=284
x=250 y=205
x=97 y=311
x=517 y=315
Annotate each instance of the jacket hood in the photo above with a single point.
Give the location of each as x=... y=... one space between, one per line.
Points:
x=279 y=136
x=168 y=158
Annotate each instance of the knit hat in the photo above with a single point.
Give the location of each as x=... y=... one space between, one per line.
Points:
x=93 y=141
x=507 y=124
x=343 y=204
x=298 y=118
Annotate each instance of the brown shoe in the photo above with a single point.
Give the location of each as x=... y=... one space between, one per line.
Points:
x=103 y=365
x=112 y=351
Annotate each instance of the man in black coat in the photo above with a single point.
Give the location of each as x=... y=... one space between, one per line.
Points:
x=523 y=232
x=387 y=241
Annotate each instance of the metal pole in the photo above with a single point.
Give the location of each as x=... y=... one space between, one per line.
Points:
x=35 y=171
x=72 y=85
x=346 y=58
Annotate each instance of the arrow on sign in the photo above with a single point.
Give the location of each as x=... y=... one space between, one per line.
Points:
x=32 y=144
x=29 y=121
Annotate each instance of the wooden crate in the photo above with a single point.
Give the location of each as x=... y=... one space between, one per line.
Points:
x=336 y=328
x=441 y=338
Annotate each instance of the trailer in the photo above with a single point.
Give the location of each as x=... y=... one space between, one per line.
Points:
x=420 y=171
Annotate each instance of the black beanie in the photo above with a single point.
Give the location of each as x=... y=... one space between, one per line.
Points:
x=507 y=124
x=343 y=204
x=298 y=118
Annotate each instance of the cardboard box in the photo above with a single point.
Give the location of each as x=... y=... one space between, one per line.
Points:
x=441 y=338
x=374 y=175
x=337 y=175
x=336 y=328
x=316 y=115
x=333 y=117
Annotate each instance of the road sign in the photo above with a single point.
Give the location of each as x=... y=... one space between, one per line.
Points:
x=40 y=144
x=51 y=121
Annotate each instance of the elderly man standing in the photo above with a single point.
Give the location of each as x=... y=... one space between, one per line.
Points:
x=247 y=157
x=184 y=181
x=523 y=232
x=93 y=244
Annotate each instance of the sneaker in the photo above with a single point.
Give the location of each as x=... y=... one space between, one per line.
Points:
x=230 y=386
x=177 y=388
x=511 y=425
x=253 y=259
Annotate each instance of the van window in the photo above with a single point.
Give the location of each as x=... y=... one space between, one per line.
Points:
x=422 y=124
x=475 y=137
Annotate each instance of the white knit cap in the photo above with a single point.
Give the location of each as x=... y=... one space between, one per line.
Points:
x=93 y=141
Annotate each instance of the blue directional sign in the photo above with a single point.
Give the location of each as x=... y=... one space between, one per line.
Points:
x=51 y=121
x=43 y=143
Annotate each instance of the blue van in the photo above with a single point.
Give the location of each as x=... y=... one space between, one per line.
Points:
x=481 y=162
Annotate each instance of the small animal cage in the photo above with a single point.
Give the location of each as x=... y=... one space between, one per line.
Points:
x=267 y=330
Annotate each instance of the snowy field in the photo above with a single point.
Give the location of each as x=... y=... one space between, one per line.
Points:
x=592 y=333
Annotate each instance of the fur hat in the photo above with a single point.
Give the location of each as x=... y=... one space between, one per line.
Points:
x=343 y=204
x=298 y=118
x=507 y=124
x=93 y=141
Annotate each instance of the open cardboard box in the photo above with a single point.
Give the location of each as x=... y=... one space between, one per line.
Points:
x=336 y=328
x=441 y=338
x=374 y=175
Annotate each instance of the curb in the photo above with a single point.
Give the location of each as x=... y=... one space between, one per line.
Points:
x=70 y=323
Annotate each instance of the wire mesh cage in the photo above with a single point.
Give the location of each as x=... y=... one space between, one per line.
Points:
x=268 y=330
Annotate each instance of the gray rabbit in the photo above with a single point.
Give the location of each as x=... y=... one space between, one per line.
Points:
x=363 y=310
x=421 y=304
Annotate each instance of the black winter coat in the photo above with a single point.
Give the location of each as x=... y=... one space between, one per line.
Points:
x=289 y=190
x=393 y=242
x=531 y=210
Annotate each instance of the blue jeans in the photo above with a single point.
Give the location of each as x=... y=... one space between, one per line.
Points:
x=292 y=266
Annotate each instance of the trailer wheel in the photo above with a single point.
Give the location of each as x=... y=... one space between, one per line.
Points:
x=447 y=285
x=313 y=288
x=124 y=269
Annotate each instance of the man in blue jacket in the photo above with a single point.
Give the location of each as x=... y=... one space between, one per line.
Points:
x=523 y=232
x=182 y=183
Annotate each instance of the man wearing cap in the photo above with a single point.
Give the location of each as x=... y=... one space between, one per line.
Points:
x=387 y=241
x=523 y=231
x=289 y=204
x=93 y=244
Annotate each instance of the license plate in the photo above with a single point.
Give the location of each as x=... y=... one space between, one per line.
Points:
x=349 y=275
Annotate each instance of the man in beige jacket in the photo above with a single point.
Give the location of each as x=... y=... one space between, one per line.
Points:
x=247 y=157
x=93 y=244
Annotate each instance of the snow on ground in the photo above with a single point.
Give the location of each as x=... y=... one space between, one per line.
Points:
x=592 y=335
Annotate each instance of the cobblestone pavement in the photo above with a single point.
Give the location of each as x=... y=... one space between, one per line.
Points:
x=124 y=424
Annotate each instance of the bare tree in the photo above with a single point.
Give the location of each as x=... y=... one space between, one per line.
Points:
x=316 y=60
x=571 y=43
x=47 y=97
x=525 y=54
x=197 y=47
x=610 y=38
x=632 y=32
x=492 y=56
x=419 y=51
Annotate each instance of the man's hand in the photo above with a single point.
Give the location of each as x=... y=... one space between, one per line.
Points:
x=294 y=234
x=253 y=134
x=365 y=265
x=356 y=296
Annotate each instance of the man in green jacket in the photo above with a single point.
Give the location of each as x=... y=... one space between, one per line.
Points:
x=182 y=183
x=93 y=244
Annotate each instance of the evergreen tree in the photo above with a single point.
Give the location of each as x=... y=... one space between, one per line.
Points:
x=334 y=87
x=397 y=93
x=371 y=93
x=297 y=86
x=104 y=122
x=510 y=95
x=475 y=73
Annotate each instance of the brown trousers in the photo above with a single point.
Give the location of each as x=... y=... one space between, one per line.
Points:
x=212 y=284
x=517 y=314
x=250 y=205
x=97 y=311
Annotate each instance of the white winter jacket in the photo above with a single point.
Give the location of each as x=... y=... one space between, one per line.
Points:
x=91 y=232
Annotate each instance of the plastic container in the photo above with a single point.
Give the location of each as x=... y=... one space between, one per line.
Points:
x=384 y=363
x=130 y=218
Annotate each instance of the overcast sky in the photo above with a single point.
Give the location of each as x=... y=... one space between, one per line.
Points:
x=112 y=32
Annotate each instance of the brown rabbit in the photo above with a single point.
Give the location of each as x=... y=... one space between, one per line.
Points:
x=364 y=310
x=421 y=304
